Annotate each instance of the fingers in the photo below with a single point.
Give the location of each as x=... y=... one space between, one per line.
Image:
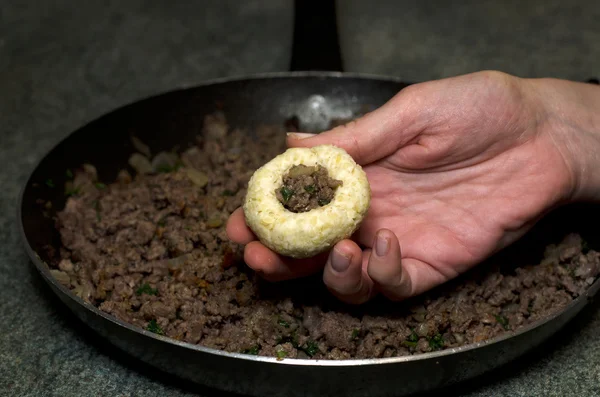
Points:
x=274 y=267
x=353 y=276
x=237 y=230
x=371 y=137
x=344 y=276
x=385 y=267
x=261 y=259
x=399 y=278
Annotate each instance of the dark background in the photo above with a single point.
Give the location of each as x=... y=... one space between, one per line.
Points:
x=63 y=63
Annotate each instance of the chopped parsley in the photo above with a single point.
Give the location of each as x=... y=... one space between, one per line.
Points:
x=69 y=174
x=49 y=183
x=100 y=185
x=166 y=168
x=503 y=321
x=309 y=188
x=323 y=202
x=289 y=339
x=72 y=192
x=436 y=342
x=146 y=289
x=281 y=354
x=283 y=323
x=310 y=348
x=413 y=337
x=411 y=340
x=96 y=205
x=253 y=350
x=228 y=192
x=355 y=333
x=154 y=327
x=286 y=193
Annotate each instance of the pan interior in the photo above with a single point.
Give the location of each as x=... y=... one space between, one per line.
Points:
x=173 y=120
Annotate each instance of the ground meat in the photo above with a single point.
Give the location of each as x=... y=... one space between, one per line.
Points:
x=152 y=251
x=305 y=188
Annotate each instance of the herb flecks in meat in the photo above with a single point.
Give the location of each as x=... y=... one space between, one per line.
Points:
x=96 y=205
x=252 y=350
x=72 y=191
x=146 y=289
x=228 y=193
x=436 y=342
x=310 y=348
x=305 y=188
x=154 y=327
x=503 y=321
x=113 y=245
x=411 y=340
x=286 y=194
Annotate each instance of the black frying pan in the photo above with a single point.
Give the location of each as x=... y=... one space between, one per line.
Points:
x=174 y=119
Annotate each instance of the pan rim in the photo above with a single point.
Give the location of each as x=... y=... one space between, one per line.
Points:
x=44 y=269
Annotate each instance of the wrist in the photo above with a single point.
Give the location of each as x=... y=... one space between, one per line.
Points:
x=569 y=117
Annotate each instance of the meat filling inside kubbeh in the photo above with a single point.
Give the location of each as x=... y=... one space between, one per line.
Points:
x=305 y=188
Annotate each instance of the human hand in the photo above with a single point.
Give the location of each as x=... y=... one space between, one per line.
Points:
x=459 y=168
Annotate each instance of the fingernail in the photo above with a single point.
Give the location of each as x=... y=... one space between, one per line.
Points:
x=382 y=245
x=300 y=135
x=339 y=261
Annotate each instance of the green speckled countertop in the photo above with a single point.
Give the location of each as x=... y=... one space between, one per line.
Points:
x=64 y=63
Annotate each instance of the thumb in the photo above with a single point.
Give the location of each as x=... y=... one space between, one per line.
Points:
x=370 y=137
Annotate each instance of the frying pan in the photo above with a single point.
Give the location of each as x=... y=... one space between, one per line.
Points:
x=173 y=119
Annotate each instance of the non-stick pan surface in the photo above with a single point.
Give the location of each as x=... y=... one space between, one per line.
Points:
x=173 y=120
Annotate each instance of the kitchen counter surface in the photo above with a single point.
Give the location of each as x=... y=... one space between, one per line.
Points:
x=62 y=65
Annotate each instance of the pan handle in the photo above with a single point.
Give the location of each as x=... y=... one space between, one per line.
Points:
x=315 y=42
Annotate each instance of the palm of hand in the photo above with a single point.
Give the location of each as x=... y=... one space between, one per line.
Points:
x=468 y=185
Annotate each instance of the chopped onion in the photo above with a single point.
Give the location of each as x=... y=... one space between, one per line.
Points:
x=90 y=170
x=459 y=338
x=140 y=163
x=164 y=160
x=198 y=178
x=61 y=277
x=214 y=222
x=419 y=317
x=422 y=329
x=300 y=170
x=179 y=261
x=140 y=146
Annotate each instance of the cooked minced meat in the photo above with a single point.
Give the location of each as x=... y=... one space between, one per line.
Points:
x=151 y=250
x=305 y=188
